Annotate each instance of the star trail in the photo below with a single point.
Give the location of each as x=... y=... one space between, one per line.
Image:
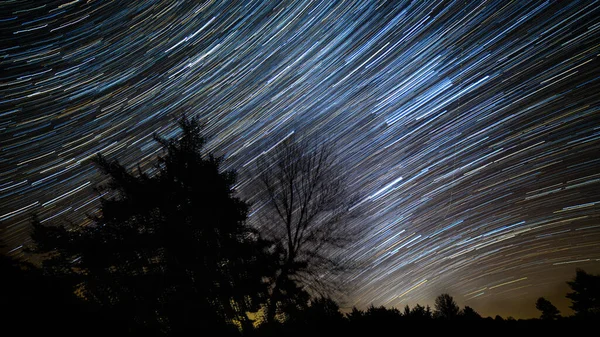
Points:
x=470 y=130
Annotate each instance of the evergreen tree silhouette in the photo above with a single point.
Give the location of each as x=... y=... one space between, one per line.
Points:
x=324 y=317
x=470 y=314
x=586 y=295
x=549 y=311
x=169 y=252
x=355 y=315
x=420 y=313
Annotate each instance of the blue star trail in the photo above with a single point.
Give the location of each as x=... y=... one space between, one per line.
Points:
x=469 y=130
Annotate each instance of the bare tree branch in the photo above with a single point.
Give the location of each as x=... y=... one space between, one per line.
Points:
x=304 y=188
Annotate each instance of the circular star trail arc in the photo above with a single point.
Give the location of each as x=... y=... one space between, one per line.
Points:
x=470 y=130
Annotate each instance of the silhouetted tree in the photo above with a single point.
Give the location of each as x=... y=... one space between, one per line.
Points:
x=469 y=313
x=305 y=190
x=381 y=316
x=325 y=308
x=320 y=318
x=323 y=313
x=34 y=303
x=586 y=294
x=418 y=313
x=549 y=311
x=325 y=317
x=382 y=313
x=294 y=301
x=445 y=307
x=171 y=250
x=355 y=314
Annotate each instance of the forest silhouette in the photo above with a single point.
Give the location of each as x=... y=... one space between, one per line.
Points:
x=170 y=253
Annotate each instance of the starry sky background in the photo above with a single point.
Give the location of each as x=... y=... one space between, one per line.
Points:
x=469 y=129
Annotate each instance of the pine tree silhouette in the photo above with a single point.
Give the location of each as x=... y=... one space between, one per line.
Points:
x=168 y=252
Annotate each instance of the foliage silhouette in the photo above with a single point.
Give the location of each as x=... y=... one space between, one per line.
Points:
x=549 y=311
x=322 y=316
x=470 y=314
x=586 y=295
x=446 y=308
x=34 y=303
x=169 y=251
x=382 y=313
x=355 y=315
x=306 y=192
x=417 y=313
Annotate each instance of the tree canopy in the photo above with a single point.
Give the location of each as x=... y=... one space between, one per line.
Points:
x=170 y=253
x=549 y=311
x=585 y=296
x=302 y=185
x=170 y=250
x=446 y=307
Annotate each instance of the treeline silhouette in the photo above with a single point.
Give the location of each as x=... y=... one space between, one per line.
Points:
x=170 y=253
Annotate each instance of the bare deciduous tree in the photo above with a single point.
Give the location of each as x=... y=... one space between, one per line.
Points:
x=306 y=192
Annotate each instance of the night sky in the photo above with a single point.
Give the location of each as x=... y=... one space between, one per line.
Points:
x=469 y=130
